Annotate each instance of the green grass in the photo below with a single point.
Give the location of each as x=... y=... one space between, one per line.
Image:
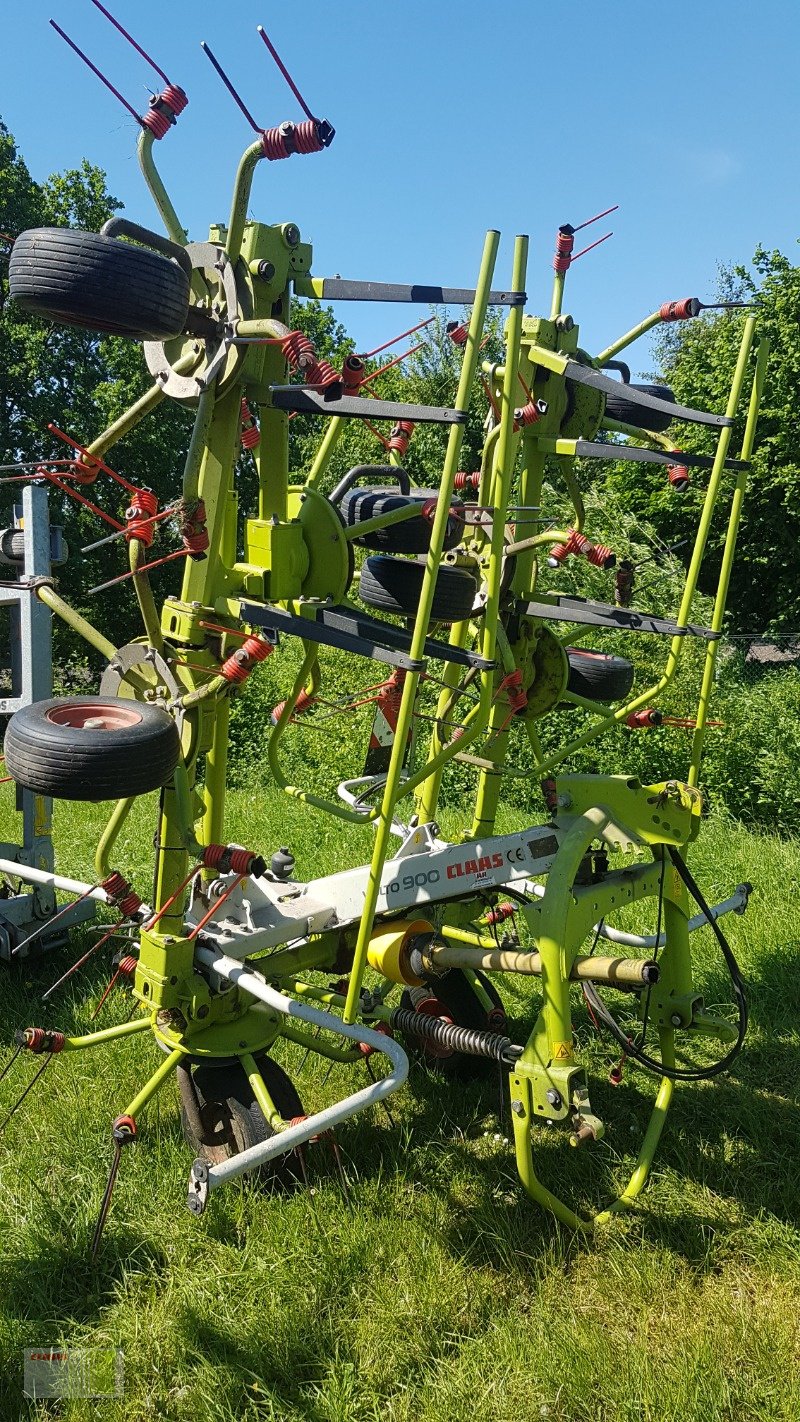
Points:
x=432 y=1288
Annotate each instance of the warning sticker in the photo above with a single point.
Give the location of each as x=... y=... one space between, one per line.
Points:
x=562 y=1051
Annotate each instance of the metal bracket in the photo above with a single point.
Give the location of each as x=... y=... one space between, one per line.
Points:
x=605 y=614
x=587 y=375
x=337 y=289
x=203 y=255
x=356 y=632
x=356 y=407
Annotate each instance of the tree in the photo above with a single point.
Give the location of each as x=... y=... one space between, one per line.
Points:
x=697 y=359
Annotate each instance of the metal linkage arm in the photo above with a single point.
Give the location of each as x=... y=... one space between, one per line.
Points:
x=205 y=1178
x=335 y=289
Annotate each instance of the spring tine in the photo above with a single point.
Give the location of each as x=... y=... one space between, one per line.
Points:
x=284 y=71
x=131 y=40
x=229 y=86
x=145 y=568
x=367 y=355
x=106 y=993
x=10 y=1062
x=95 y=70
x=337 y=1154
x=31 y=1084
x=106 y=1203
x=596 y=218
x=81 y=961
x=729 y=305
x=591 y=246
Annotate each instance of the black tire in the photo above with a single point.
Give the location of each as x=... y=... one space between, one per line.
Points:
x=232 y=1120
x=454 y=995
x=91 y=747
x=12 y=547
x=395 y=584
x=618 y=407
x=86 y=279
x=597 y=676
x=413 y=536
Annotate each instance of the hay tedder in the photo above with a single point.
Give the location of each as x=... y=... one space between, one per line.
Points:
x=449 y=590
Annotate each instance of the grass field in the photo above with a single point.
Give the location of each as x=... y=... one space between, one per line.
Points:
x=431 y=1288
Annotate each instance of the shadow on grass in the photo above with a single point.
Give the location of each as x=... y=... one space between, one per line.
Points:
x=729 y=1148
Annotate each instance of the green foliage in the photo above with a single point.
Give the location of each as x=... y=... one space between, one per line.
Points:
x=697 y=359
x=751 y=764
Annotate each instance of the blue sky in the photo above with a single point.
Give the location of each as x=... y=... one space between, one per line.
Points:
x=451 y=118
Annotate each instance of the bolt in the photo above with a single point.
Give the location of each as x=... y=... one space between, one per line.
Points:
x=554 y=1097
x=518 y=1108
x=676 y=1019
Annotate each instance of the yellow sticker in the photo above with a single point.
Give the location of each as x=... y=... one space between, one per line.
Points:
x=41 y=817
x=562 y=1051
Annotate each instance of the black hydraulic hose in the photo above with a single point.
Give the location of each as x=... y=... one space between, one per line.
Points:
x=644 y=1059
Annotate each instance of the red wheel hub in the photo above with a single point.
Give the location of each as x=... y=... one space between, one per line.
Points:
x=104 y=716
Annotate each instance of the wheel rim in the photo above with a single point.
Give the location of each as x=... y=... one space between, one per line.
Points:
x=101 y=716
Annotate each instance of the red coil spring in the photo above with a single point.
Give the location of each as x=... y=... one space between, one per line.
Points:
x=600 y=555
x=295 y=345
x=83 y=472
x=680 y=310
x=320 y=372
x=139 y=515
x=565 y=241
x=390 y=695
x=240 y=663
x=119 y=891
x=550 y=793
x=307 y=137
x=467 y=481
x=130 y=904
x=500 y=912
x=289 y=138
x=642 y=720
x=230 y=858
x=194 y=533
x=623 y=583
x=527 y=415
x=164 y=109
x=38 y=1040
x=400 y=437
x=175 y=98
x=126 y=967
x=577 y=544
x=574 y=545
x=352 y=374
x=304 y=703
x=251 y=434
x=300 y=355
x=678 y=476
x=458 y=334
x=512 y=686
x=114 y=885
